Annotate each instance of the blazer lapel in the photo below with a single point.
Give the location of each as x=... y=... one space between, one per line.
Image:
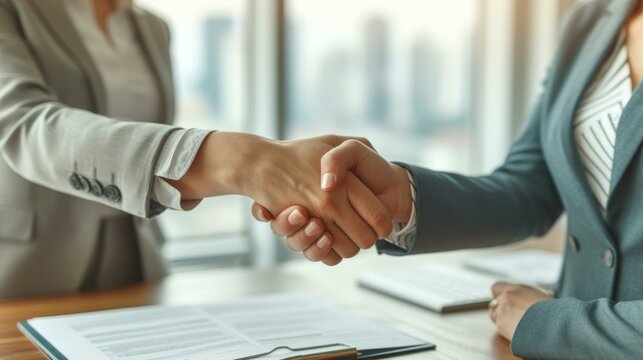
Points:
x=159 y=59
x=592 y=55
x=628 y=138
x=59 y=22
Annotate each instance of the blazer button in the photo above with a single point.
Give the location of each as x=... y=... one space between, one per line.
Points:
x=608 y=257
x=85 y=183
x=96 y=188
x=79 y=182
x=573 y=244
x=74 y=181
x=112 y=193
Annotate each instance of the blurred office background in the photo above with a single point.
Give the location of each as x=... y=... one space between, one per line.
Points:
x=444 y=84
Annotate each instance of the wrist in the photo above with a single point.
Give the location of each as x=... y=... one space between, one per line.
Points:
x=235 y=162
x=404 y=207
x=222 y=166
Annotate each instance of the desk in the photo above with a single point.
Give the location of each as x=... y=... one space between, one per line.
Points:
x=465 y=335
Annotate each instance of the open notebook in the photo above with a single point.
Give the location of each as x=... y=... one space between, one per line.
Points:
x=451 y=287
x=270 y=327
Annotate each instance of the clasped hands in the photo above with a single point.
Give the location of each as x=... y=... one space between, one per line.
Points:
x=357 y=197
x=340 y=207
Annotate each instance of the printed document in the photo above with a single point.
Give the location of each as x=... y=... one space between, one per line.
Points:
x=278 y=326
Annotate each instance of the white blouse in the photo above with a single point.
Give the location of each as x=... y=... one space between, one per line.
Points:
x=597 y=118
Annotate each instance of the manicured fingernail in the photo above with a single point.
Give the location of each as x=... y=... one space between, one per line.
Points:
x=328 y=180
x=261 y=216
x=296 y=218
x=323 y=242
x=311 y=229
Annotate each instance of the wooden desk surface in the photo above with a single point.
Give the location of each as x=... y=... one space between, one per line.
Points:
x=464 y=335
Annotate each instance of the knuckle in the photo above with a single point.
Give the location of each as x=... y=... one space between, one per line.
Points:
x=365 y=241
x=352 y=143
x=294 y=243
x=312 y=255
x=511 y=291
x=496 y=287
x=351 y=252
x=366 y=142
x=381 y=220
x=334 y=139
x=330 y=158
x=274 y=228
x=523 y=288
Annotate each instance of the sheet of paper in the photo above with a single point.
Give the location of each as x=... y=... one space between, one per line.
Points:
x=229 y=330
x=526 y=266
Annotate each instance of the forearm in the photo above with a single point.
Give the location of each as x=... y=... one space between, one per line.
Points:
x=119 y=154
x=224 y=165
x=573 y=329
x=455 y=211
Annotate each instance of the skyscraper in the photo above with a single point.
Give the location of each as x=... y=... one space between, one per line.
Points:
x=425 y=84
x=294 y=87
x=217 y=31
x=334 y=87
x=377 y=70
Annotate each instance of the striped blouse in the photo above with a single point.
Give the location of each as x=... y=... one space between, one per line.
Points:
x=597 y=118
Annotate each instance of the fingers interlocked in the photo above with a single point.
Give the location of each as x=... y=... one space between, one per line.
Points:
x=354 y=217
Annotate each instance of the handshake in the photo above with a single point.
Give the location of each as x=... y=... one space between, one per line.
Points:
x=331 y=195
x=346 y=196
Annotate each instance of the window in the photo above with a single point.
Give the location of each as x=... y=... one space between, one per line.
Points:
x=398 y=72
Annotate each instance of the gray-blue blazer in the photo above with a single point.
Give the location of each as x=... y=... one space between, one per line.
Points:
x=598 y=310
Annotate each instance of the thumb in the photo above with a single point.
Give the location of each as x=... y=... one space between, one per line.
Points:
x=353 y=155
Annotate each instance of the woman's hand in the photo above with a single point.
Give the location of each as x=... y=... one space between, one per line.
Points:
x=290 y=175
x=510 y=304
x=389 y=182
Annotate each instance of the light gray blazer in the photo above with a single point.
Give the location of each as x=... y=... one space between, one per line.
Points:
x=51 y=96
x=598 y=313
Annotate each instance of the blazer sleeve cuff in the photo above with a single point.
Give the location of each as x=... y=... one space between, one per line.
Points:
x=533 y=337
x=137 y=173
x=388 y=248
